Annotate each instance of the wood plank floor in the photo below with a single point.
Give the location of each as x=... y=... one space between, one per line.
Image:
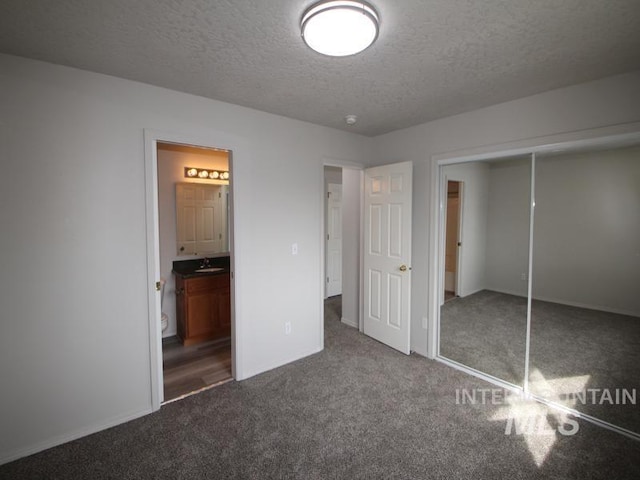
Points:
x=187 y=369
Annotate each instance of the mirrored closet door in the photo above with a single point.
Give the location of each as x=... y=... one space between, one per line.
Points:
x=483 y=316
x=583 y=245
x=585 y=316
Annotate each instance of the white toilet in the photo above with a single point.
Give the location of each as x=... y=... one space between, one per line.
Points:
x=164 y=318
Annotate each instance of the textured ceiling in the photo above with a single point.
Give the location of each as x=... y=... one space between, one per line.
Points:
x=433 y=58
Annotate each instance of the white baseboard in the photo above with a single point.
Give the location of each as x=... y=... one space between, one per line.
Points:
x=170 y=333
x=6 y=457
x=588 y=306
x=508 y=292
x=248 y=373
x=351 y=323
x=466 y=294
x=569 y=303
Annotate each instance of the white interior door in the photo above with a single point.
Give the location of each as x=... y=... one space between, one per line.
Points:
x=200 y=221
x=334 y=239
x=387 y=254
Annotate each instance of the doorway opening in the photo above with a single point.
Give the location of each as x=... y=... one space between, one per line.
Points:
x=333 y=243
x=341 y=233
x=452 y=240
x=195 y=232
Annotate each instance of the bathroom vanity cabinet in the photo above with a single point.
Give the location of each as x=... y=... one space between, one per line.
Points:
x=203 y=307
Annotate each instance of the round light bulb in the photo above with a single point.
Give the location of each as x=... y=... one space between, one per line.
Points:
x=339 y=28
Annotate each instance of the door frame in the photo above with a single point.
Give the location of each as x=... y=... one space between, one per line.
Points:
x=151 y=140
x=344 y=164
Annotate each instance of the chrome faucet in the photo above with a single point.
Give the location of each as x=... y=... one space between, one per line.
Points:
x=205 y=263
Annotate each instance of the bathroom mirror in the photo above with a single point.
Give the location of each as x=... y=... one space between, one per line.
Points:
x=196 y=208
x=485 y=236
x=585 y=315
x=202 y=225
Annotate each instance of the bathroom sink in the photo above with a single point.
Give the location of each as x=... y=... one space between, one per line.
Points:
x=209 y=269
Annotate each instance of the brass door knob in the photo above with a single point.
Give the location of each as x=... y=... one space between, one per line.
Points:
x=403 y=268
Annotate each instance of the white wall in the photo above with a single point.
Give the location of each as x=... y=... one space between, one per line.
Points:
x=607 y=102
x=351 y=194
x=332 y=175
x=171 y=165
x=508 y=219
x=586 y=248
x=473 y=236
x=74 y=348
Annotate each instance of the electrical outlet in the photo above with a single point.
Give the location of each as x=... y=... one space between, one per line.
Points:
x=294 y=249
x=523 y=277
x=287 y=328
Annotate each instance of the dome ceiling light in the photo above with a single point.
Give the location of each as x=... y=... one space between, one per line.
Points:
x=339 y=29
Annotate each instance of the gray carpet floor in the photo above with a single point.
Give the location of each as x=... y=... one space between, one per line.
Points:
x=358 y=409
x=486 y=331
x=572 y=350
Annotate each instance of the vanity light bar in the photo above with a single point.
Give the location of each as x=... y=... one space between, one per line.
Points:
x=205 y=174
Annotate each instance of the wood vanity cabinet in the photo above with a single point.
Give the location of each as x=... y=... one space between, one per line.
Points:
x=203 y=307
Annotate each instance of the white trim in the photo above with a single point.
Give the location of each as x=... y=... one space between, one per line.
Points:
x=473 y=292
x=266 y=367
x=151 y=138
x=361 y=263
x=588 y=306
x=153 y=268
x=433 y=316
x=585 y=416
x=323 y=273
x=478 y=374
x=74 y=435
x=559 y=301
x=349 y=322
x=527 y=338
x=618 y=135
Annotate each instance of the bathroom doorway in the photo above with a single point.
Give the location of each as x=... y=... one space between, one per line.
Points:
x=452 y=240
x=195 y=243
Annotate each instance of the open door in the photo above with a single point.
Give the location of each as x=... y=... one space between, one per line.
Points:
x=334 y=240
x=387 y=254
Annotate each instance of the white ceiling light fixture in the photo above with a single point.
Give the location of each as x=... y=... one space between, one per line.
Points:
x=339 y=28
